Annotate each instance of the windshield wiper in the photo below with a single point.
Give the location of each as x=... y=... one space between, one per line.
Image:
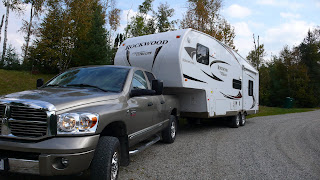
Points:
x=87 y=85
x=53 y=85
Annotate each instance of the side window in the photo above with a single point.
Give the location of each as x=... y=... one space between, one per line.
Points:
x=236 y=84
x=202 y=54
x=250 y=90
x=150 y=76
x=139 y=81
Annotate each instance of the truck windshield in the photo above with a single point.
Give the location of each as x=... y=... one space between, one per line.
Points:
x=103 y=78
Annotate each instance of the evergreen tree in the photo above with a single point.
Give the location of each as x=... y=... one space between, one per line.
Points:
x=310 y=57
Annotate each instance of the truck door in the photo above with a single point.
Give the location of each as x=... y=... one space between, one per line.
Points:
x=159 y=103
x=141 y=110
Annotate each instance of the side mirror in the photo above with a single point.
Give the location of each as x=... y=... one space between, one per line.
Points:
x=157 y=85
x=40 y=83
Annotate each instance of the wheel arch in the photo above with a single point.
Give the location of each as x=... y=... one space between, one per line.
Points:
x=118 y=129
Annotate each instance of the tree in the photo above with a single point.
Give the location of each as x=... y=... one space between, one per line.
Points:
x=73 y=34
x=310 y=57
x=11 y=59
x=1 y=24
x=94 y=48
x=13 y=5
x=141 y=24
x=162 y=17
x=203 y=15
x=35 y=10
x=256 y=55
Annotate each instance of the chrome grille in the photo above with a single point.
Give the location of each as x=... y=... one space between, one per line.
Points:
x=2 y=108
x=28 y=122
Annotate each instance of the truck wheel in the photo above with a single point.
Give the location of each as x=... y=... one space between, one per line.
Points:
x=235 y=121
x=243 y=119
x=106 y=160
x=170 y=132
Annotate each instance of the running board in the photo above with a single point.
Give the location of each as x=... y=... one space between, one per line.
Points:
x=143 y=147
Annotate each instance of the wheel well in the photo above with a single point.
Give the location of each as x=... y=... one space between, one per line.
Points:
x=174 y=112
x=115 y=129
x=118 y=129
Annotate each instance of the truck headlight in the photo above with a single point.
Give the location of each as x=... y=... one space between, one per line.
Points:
x=77 y=123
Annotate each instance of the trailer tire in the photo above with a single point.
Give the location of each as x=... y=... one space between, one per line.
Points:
x=243 y=119
x=106 y=160
x=170 y=132
x=235 y=121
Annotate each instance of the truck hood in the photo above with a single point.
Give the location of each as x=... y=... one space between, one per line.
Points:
x=62 y=98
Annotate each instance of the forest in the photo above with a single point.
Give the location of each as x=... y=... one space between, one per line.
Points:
x=60 y=34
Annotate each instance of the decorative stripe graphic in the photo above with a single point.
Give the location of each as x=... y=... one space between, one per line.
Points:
x=254 y=102
x=128 y=57
x=191 y=51
x=213 y=76
x=239 y=96
x=250 y=76
x=218 y=61
x=156 y=54
x=191 y=78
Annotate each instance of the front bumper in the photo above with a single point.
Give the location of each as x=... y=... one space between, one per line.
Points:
x=45 y=158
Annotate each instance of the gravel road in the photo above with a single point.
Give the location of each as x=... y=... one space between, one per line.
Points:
x=272 y=147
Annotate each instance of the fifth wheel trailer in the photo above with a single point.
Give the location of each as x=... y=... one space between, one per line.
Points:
x=210 y=78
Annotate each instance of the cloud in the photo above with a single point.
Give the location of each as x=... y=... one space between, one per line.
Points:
x=318 y=4
x=281 y=3
x=290 y=15
x=291 y=33
x=237 y=11
x=242 y=29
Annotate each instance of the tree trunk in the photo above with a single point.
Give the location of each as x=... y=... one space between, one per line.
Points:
x=1 y=26
x=5 y=30
x=28 y=35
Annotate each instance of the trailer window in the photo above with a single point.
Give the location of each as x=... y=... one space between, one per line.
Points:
x=250 y=90
x=202 y=54
x=236 y=84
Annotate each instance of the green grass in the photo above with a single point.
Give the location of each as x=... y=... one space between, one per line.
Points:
x=268 y=111
x=15 y=81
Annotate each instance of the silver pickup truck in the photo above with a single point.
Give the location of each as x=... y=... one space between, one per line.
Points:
x=86 y=119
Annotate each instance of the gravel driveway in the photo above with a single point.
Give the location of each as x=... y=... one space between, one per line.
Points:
x=272 y=147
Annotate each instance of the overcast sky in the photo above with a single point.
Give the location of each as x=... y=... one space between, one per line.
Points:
x=277 y=22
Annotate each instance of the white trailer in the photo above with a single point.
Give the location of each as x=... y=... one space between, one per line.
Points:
x=210 y=79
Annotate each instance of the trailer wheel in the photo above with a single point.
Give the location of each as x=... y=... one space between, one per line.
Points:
x=106 y=160
x=243 y=119
x=170 y=132
x=235 y=121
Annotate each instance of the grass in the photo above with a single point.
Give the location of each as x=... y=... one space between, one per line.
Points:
x=15 y=81
x=269 y=111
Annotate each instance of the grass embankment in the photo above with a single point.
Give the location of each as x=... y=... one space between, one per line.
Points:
x=269 y=111
x=15 y=81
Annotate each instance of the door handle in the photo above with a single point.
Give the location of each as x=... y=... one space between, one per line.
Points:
x=150 y=104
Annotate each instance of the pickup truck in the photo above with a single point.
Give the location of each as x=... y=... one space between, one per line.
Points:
x=87 y=119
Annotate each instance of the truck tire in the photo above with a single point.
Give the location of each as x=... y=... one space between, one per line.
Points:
x=106 y=160
x=170 y=132
x=235 y=121
x=243 y=119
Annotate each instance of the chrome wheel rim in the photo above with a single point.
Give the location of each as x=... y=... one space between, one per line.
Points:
x=173 y=129
x=238 y=120
x=243 y=119
x=114 y=166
